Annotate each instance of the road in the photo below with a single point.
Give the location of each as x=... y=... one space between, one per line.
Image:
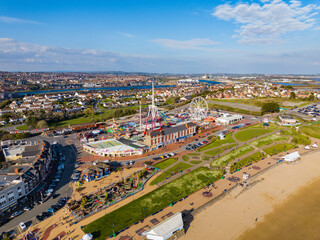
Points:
x=62 y=189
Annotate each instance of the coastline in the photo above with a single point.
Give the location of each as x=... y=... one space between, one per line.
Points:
x=238 y=212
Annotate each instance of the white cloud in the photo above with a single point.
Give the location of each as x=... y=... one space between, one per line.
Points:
x=6 y=19
x=196 y=44
x=128 y=35
x=267 y=22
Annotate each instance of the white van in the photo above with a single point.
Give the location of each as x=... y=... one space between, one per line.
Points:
x=22 y=226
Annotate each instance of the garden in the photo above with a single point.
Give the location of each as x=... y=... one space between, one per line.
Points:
x=150 y=203
x=170 y=172
x=268 y=140
x=224 y=160
x=282 y=147
x=246 y=161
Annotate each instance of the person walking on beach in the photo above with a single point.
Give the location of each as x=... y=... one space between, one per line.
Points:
x=257 y=219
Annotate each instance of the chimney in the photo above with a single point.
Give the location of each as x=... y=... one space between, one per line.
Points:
x=16 y=170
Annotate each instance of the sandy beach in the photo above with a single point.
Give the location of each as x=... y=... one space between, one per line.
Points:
x=236 y=215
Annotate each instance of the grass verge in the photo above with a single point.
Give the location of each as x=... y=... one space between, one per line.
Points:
x=196 y=162
x=185 y=158
x=217 y=143
x=171 y=171
x=278 y=148
x=248 y=134
x=244 y=162
x=224 y=160
x=166 y=163
x=268 y=140
x=217 y=151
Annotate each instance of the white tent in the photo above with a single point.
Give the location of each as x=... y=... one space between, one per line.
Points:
x=88 y=236
x=314 y=145
x=291 y=157
x=165 y=229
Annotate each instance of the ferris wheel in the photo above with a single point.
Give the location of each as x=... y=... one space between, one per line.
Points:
x=198 y=108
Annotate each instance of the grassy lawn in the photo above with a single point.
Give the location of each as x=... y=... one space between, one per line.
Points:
x=105 y=115
x=278 y=148
x=185 y=158
x=224 y=160
x=195 y=162
x=173 y=170
x=22 y=127
x=194 y=154
x=219 y=150
x=268 y=140
x=217 y=143
x=152 y=202
x=205 y=157
x=248 y=134
x=312 y=131
x=244 y=162
x=166 y=163
x=272 y=126
x=233 y=109
x=260 y=101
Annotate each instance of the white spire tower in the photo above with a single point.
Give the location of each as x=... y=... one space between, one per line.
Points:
x=153 y=114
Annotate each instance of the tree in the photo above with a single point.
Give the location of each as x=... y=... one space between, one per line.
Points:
x=88 y=111
x=292 y=95
x=42 y=124
x=31 y=120
x=270 y=107
x=311 y=97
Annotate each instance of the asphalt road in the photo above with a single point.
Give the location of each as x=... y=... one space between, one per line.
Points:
x=62 y=189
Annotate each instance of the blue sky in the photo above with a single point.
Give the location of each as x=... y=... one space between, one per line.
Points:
x=185 y=36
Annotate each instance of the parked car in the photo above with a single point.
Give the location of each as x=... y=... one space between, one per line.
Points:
x=51 y=210
x=27 y=209
x=22 y=226
x=39 y=218
x=15 y=214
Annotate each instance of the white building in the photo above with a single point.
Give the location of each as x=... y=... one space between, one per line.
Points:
x=11 y=190
x=287 y=119
x=165 y=229
x=228 y=119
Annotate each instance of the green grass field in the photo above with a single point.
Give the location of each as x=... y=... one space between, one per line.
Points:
x=185 y=158
x=224 y=160
x=194 y=154
x=173 y=170
x=233 y=109
x=248 y=134
x=268 y=140
x=278 y=148
x=272 y=126
x=220 y=150
x=205 y=157
x=22 y=127
x=150 y=203
x=166 y=163
x=312 y=131
x=245 y=161
x=195 y=162
x=217 y=143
